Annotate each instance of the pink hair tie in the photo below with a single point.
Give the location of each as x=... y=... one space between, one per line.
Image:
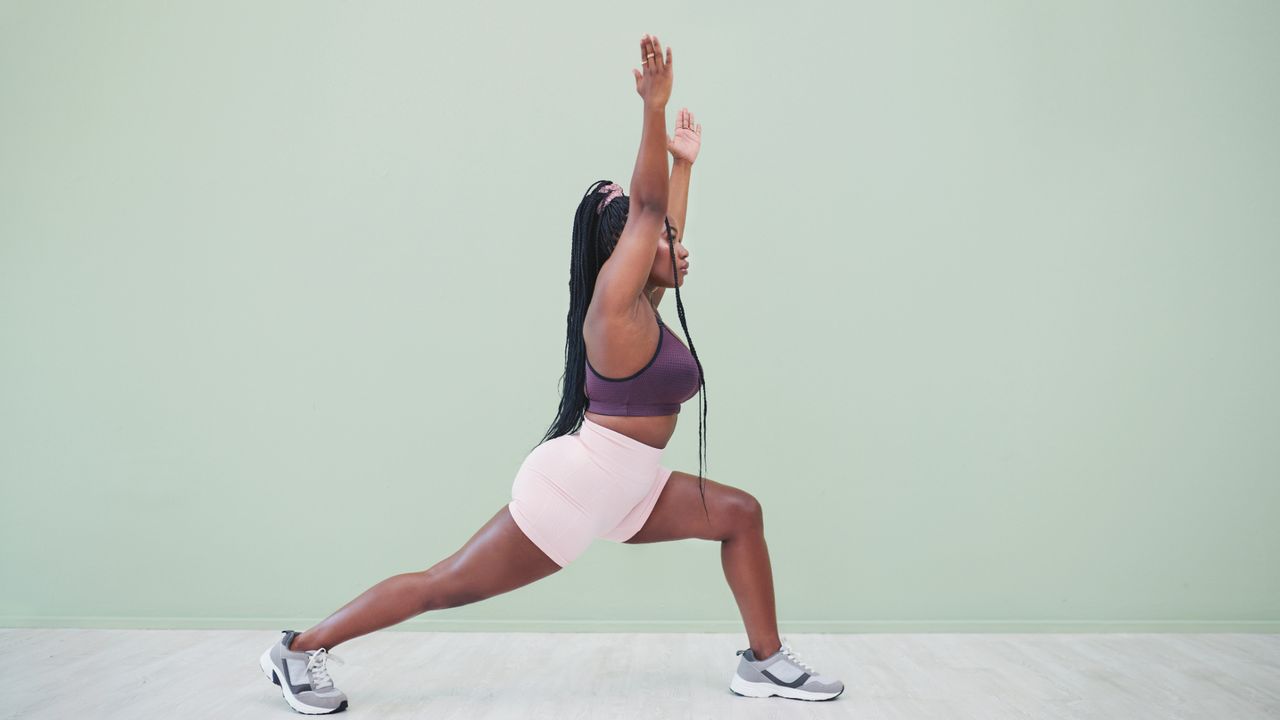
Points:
x=613 y=190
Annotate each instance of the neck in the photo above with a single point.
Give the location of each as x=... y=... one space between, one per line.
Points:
x=649 y=298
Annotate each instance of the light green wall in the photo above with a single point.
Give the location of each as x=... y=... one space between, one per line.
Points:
x=986 y=295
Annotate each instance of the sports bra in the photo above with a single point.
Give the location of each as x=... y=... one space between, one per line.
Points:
x=670 y=377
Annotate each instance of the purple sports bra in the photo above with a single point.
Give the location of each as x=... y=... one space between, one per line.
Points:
x=658 y=388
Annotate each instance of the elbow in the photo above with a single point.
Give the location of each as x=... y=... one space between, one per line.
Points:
x=649 y=192
x=651 y=206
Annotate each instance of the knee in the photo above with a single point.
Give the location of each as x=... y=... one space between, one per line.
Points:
x=745 y=512
x=443 y=587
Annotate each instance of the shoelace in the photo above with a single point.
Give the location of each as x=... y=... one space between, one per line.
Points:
x=316 y=665
x=791 y=655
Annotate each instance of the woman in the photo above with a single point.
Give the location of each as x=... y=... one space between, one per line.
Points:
x=597 y=473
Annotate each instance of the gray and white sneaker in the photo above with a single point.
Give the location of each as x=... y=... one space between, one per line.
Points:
x=303 y=677
x=783 y=674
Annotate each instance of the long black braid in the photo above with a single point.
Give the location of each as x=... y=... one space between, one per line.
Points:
x=594 y=238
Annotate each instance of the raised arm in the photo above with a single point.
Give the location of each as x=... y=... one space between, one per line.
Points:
x=622 y=278
x=677 y=203
x=678 y=195
x=683 y=145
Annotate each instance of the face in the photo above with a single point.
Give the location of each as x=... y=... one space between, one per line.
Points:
x=660 y=274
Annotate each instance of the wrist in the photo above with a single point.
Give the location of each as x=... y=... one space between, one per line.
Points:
x=655 y=107
x=680 y=162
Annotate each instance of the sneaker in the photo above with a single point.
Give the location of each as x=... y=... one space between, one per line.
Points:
x=303 y=677
x=782 y=674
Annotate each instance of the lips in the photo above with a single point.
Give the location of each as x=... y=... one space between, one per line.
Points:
x=685 y=267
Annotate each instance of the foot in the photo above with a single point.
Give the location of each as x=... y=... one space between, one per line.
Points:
x=303 y=677
x=783 y=674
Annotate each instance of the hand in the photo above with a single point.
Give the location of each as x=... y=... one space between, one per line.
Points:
x=654 y=84
x=687 y=140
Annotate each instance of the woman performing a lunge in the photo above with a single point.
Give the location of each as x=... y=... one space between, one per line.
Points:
x=597 y=472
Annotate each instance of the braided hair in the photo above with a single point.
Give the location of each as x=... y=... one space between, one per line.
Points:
x=594 y=238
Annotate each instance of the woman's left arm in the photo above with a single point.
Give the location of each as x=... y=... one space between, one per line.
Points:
x=678 y=194
x=683 y=146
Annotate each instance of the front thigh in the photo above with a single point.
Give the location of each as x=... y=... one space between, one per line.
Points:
x=679 y=513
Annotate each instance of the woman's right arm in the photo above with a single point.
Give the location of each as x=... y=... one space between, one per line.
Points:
x=649 y=181
x=624 y=274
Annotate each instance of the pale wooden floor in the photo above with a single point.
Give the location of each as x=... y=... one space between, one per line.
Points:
x=72 y=674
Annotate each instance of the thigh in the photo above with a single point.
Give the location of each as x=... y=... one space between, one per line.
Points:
x=679 y=513
x=498 y=558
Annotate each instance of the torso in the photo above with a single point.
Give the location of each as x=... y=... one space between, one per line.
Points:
x=631 y=342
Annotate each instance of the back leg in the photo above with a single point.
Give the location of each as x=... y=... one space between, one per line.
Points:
x=498 y=558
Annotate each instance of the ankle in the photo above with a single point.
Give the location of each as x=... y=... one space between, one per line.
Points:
x=300 y=643
x=762 y=655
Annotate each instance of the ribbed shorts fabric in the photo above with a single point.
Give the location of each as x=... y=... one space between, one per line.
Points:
x=593 y=483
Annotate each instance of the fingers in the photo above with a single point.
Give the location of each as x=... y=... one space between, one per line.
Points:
x=687 y=120
x=650 y=45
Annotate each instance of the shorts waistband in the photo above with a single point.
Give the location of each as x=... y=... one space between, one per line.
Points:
x=619 y=453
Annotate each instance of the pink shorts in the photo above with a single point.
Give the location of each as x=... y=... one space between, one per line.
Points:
x=594 y=483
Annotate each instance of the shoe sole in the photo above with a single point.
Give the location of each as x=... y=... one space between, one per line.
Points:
x=269 y=668
x=746 y=688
